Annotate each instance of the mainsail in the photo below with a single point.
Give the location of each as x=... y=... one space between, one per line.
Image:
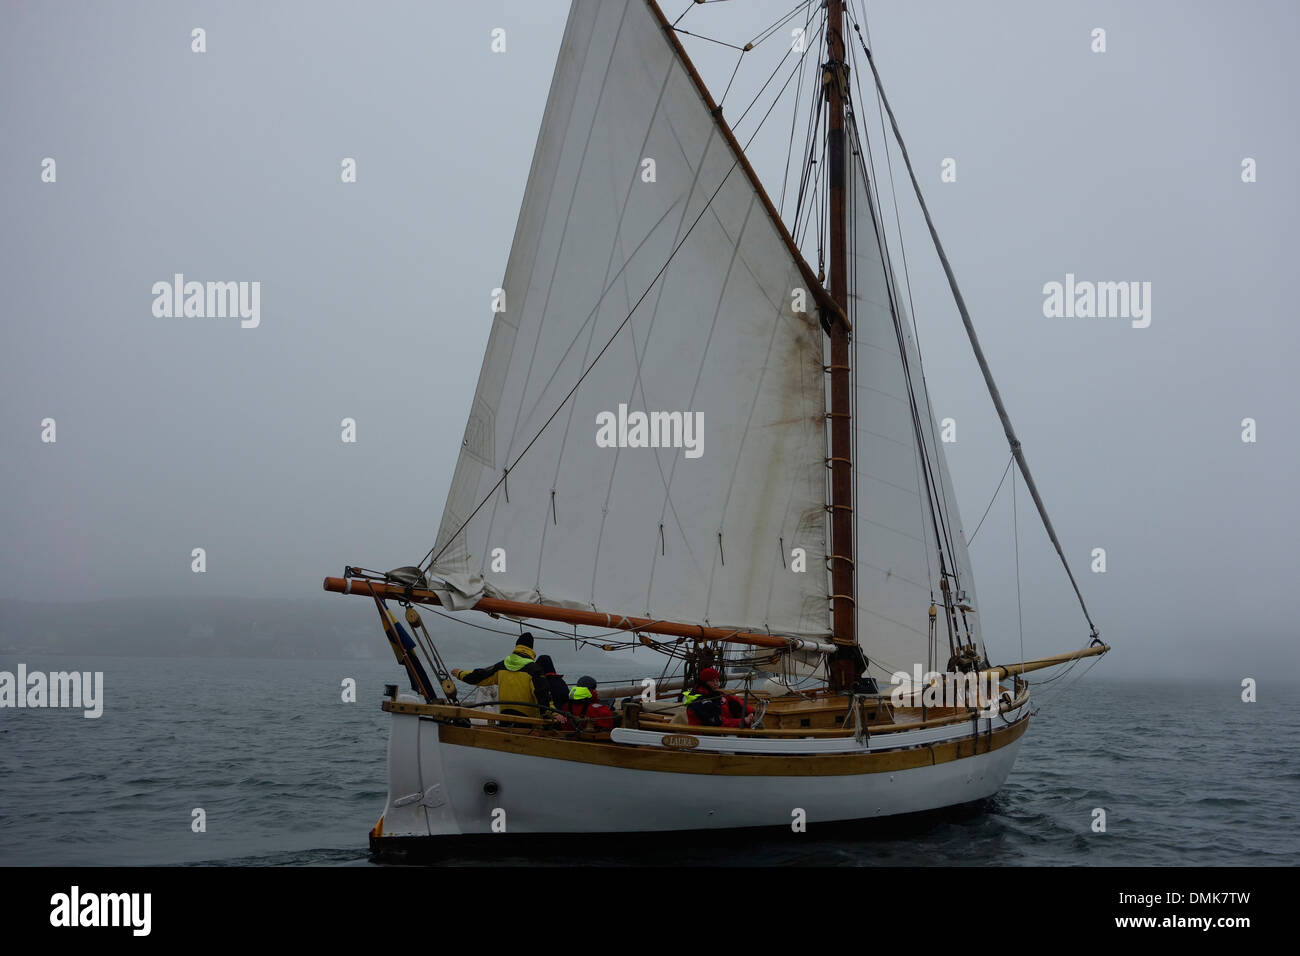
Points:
x=593 y=319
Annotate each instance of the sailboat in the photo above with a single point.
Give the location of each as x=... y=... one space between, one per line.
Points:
x=687 y=440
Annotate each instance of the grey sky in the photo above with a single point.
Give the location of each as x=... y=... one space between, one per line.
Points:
x=182 y=433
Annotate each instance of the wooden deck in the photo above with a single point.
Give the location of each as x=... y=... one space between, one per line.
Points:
x=812 y=715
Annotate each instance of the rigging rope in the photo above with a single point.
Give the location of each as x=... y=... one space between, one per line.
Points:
x=1059 y=692
x=592 y=640
x=811 y=139
x=1015 y=534
x=701 y=36
x=993 y=499
x=723 y=98
x=771 y=30
x=785 y=177
x=802 y=55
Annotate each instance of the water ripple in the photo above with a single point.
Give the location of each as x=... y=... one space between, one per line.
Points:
x=288 y=775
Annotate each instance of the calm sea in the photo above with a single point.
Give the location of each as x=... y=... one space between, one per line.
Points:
x=288 y=774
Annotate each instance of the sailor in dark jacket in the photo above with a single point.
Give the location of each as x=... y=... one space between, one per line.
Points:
x=708 y=706
x=518 y=677
x=559 y=689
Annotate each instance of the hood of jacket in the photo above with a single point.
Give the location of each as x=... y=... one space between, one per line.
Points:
x=519 y=658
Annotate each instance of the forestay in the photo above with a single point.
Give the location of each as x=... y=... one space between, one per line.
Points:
x=720 y=335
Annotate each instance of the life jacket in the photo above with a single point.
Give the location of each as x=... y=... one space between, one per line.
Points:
x=702 y=707
x=587 y=710
x=709 y=709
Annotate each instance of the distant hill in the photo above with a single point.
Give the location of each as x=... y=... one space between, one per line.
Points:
x=331 y=627
x=167 y=626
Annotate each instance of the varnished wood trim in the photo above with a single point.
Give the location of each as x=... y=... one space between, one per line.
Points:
x=551 y=612
x=465 y=713
x=445 y=711
x=739 y=765
x=1024 y=667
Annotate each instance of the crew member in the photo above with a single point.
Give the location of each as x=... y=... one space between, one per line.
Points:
x=521 y=685
x=585 y=709
x=707 y=706
x=555 y=682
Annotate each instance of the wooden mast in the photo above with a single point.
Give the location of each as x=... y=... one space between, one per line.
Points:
x=841 y=503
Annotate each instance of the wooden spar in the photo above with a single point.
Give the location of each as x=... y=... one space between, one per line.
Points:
x=841 y=498
x=566 y=615
x=1006 y=670
x=463 y=713
x=837 y=311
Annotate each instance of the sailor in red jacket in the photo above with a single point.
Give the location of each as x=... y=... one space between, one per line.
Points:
x=585 y=710
x=707 y=706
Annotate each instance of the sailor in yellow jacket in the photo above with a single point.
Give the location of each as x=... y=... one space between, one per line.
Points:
x=518 y=677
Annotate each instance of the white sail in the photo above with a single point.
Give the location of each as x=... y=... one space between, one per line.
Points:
x=664 y=532
x=895 y=541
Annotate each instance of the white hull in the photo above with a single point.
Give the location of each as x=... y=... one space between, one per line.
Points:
x=440 y=788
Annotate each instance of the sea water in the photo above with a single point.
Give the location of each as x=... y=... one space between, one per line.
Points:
x=285 y=772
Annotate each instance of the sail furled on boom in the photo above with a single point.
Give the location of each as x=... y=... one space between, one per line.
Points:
x=904 y=505
x=631 y=172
